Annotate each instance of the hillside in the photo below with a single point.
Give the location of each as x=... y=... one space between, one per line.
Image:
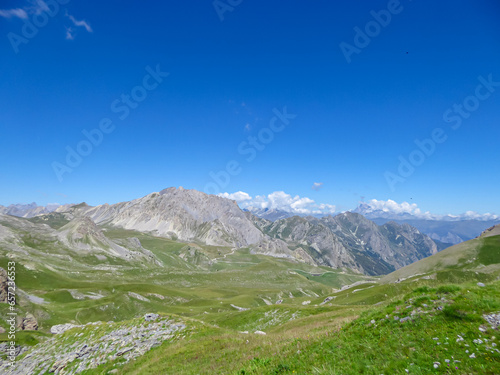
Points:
x=352 y=241
x=347 y=241
x=265 y=319
x=480 y=256
x=98 y=286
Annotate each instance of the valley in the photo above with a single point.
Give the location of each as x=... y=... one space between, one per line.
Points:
x=253 y=296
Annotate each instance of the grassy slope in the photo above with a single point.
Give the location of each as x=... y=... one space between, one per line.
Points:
x=322 y=342
x=334 y=337
x=334 y=342
x=466 y=257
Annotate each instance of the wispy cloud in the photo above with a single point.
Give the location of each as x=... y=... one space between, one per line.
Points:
x=317 y=185
x=16 y=13
x=38 y=7
x=69 y=33
x=80 y=23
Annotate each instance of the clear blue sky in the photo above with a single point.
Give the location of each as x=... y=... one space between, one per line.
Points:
x=354 y=120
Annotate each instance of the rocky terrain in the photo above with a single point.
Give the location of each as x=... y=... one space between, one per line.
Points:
x=85 y=292
x=85 y=347
x=32 y=209
x=76 y=235
x=346 y=241
x=446 y=229
x=352 y=241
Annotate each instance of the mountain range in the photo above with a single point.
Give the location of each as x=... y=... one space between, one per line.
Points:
x=446 y=230
x=99 y=286
x=346 y=241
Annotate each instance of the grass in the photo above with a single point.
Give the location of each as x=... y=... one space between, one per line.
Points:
x=339 y=342
x=355 y=332
x=489 y=253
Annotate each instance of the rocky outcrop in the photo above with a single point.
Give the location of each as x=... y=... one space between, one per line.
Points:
x=187 y=215
x=28 y=323
x=94 y=344
x=3 y=285
x=350 y=240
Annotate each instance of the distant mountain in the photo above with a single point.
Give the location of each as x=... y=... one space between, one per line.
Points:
x=352 y=241
x=446 y=229
x=31 y=210
x=369 y=212
x=451 y=232
x=478 y=258
x=346 y=241
x=187 y=215
x=78 y=237
x=271 y=214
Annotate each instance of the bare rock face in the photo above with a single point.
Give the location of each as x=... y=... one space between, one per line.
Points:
x=187 y=215
x=350 y=240
x=28 y=323
x=3 y=285
x=82 y=233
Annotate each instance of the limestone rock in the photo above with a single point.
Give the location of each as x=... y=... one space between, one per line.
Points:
x=28 y=323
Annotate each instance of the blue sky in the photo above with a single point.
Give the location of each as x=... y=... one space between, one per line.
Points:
x=232 y=70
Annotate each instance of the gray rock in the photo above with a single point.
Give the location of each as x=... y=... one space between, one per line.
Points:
x=327 y=299
x=29 y=323
x=3 y=285
x=150 y=317
x=61 y=328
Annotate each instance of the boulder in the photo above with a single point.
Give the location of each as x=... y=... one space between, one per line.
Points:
x=3 y=285
x=28 y=323
x=150 y=317
x=61 y=328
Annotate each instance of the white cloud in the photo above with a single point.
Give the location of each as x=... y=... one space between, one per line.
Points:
x=394 y=207
x=391 y=207
x=38 y=7
x=281 y=201
x=70 y=32
x=239 y=196
x=17 y=13
x=317 y=185
x=471 y=215
x=80 y=23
